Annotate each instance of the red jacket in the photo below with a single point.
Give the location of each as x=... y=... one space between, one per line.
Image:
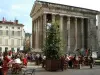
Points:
x=25 y=61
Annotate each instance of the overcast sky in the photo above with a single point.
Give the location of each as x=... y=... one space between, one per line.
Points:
x=20 y=9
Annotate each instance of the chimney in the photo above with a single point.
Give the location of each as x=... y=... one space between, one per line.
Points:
x=3 y=19
x=16 y=21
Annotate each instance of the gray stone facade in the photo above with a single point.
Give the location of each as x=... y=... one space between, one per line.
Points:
x=98 y=33
x=77 y=25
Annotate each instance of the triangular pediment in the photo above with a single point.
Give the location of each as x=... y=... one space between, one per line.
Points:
x=35 y=8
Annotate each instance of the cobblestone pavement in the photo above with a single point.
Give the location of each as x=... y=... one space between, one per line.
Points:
x=84 y=71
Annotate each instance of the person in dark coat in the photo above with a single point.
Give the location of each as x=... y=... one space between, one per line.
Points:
x=91 y=62
x=40 y=59
x=1 y=63
x=70 y=63
x=43 y=61
x=62 y=63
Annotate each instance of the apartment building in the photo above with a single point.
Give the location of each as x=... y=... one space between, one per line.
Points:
x=12 y=35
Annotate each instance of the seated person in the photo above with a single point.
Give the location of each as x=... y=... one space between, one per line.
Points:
x=17 y=65
x=18 y=61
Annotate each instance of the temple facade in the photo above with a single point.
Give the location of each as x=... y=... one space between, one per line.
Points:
x=77 y=25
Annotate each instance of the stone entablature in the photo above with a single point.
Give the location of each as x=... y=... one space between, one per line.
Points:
x=41 y=7
x=64 y=7
x=67 y=7
x=67 y=13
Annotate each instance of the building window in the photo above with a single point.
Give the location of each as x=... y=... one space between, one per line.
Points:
x=0 y=49
x=1 y=32
x=12 y=33
x=6 y=32
x=12 y=27
x=0 y=26
x=0 y=40
x=7 y=27
x=19 y=33
x=22 y=42
x=18 y=27
x=6 y=41
x=18 y=42
x=12 y=42
x=15 y=33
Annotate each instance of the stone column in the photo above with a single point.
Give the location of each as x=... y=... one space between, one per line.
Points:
x=93 y=37
x=40 y=31
x=82 y=32
x=76 y=34
x=53 y=18
x=61 y=31
x=61 y=27
x=98 y=23
x=44 y=27
x=36 y=34
x=33 y=34
x=89 y=35
x=61 y=23
x=68 y=34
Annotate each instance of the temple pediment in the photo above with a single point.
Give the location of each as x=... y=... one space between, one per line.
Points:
x=56 y=6
x=59 y=8
x=35 y=8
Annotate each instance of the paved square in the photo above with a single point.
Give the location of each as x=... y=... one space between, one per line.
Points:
x=84 y=71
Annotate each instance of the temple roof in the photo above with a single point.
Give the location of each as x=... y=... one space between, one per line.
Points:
x=68 y=6
x=63 y=6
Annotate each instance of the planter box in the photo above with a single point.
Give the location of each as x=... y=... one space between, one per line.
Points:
x=52 y=65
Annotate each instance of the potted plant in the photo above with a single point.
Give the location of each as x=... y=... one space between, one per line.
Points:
x=52 y=49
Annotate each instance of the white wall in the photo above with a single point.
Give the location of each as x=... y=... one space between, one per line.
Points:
x=10 y=37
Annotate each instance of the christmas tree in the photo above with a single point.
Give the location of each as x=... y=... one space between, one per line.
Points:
x=52 y=42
